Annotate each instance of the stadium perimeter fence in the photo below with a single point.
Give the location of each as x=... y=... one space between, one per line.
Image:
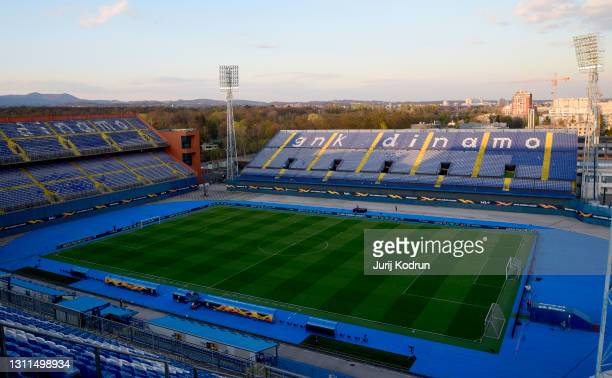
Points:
x=195 y=356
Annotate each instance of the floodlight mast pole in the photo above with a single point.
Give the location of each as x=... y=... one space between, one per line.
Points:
x=589 y=58
x=228 y=81
x=604 y=311
x=594 y=105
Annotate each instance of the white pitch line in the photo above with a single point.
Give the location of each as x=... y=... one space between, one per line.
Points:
x=413 y=281
x=447 y=300
x=480 y=271
x=271 y=256
x=254 y=299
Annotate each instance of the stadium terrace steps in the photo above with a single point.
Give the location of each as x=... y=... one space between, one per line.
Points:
x=540 y=162
x=61 y=181
x=41 y=141
x=42 y=180
x=113 y=359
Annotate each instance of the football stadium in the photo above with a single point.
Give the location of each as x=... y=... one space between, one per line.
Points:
x=115 y=257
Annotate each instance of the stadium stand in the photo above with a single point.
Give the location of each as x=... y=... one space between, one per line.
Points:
x=116 y=358
x=509 y=162
x=60 y=160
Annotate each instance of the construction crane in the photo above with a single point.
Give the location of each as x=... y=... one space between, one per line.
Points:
x=555 y=83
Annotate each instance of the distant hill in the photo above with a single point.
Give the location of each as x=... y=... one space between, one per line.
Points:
x=38 y=99
x=65 y=99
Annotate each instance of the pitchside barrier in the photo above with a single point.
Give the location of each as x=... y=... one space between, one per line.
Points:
x=24 y=220
x=595 y=214
x=493 y=325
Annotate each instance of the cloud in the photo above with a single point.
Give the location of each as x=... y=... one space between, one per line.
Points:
x=497 y=21
x=475 y=41
x=300 y=76
x=265 y=46
x=105 y=13
x=550 y=14
x=598 y=13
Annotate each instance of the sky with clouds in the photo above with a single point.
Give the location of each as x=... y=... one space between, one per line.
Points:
x=397 y=50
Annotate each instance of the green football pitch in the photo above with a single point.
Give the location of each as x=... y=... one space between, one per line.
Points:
x=312 y=264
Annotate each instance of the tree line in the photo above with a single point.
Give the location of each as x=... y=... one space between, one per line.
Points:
x=255 y=125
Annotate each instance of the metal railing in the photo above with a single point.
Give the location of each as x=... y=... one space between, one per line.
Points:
x=97 y=349
x=139 y=336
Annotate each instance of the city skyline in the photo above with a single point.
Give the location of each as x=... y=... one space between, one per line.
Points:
x=388 y=51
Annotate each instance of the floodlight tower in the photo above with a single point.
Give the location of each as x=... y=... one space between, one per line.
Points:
x=228 y=82
x=589 y=55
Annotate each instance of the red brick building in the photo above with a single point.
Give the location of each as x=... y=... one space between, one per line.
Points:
x=522 y=101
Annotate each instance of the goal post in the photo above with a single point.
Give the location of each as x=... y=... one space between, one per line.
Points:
x=494 y=322
x=513 y=268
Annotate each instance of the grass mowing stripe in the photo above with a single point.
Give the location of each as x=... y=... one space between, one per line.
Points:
x=313 y=264
x=253 y=271
x=301 y=282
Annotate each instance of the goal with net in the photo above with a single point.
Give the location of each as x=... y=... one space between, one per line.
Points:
x=494 y=322
x=513 y=268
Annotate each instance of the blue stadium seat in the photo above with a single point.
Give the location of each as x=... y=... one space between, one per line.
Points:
x=40 y=140
x=119 y=180
x=60 y=162
x=44 y=148
x=91 y=144
x=129 y=140
x=11 y=177
x=113 y=360
x=6 y=155
x=21 y=198
x=54 y=171
x=73 y=188
x=26 y=129
x=453 y=153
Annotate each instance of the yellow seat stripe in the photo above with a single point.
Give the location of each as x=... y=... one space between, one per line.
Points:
x=481 y=152
x=381 y=175
x=321 y=151
x=328 y=175
x=547 y=153
x=419 y=157
x=48 y=194
x=369 y=152
x=439 y=181
x=507 y=181
x=275 y=154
